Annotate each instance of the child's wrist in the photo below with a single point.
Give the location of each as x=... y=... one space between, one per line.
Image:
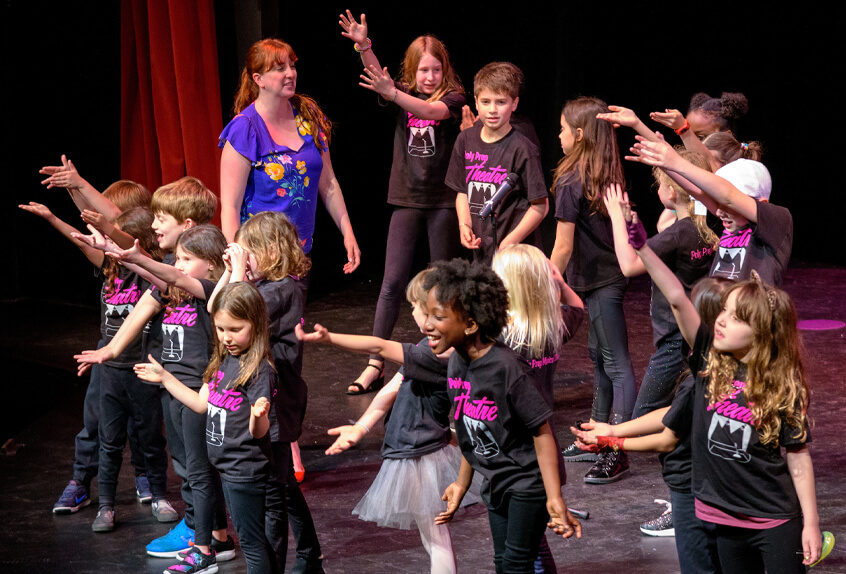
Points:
x=364 y=46
x=362 y=425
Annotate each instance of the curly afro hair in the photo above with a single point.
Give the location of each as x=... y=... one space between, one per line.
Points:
x=473 y=290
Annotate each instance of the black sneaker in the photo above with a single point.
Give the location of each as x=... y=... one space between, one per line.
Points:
x=74 y=497
x=661 y=526
x=610 y=467
x=223 y=551
x=195 y=563
x=574 y=454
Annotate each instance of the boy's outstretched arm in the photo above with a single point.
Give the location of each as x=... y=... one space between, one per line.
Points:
x=95 y=256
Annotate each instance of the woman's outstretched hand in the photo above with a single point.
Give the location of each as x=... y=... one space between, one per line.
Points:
x=352 y=29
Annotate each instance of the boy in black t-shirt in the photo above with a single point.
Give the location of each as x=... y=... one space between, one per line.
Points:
x=484 y=156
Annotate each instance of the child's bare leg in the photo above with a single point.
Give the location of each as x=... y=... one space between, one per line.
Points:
x=438 y=545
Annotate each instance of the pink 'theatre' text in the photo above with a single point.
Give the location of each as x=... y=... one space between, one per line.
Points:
x=184 y=315
x=229 y=399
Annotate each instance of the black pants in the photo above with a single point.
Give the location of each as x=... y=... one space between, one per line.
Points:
x=124 y=397
x=517 y=527
x=86 y=459
x=309 y=559
x=774 y=550
x=246 y=502
x=409 y=226
x=203 y=481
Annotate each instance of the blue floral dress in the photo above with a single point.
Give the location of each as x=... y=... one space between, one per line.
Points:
x=281 y=179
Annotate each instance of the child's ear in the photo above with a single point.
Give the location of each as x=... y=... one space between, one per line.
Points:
x=471 y=328
x=514 y=105
x=579 y=134
x=188 y=224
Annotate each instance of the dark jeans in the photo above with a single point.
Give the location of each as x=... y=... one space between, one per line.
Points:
x=246 y=507
x=774 y=550
x=614 y=384
x=124 y=397
x=659 y=381
x=309 y=555
x=517 y=527
x=545 y=561
x=695 y=541
x=208 y=509
x=408 y=227
x=86 y=459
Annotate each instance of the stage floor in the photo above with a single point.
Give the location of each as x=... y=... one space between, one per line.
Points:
x=43 y=412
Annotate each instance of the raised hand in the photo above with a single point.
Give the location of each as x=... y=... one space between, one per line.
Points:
x=560 y=519
x=96 y=240
x=98 y=220
x=673 y=119
x=453 y=495
x=151 y=372
x=468 y=118
x=131 y=255
x=320 y=334
x=87 y=359
x=260 y=408
x=655 y=153
x=614 y=198
x=619 y=116
x=64 y=175
x=348 y=437
x=38 y=209
x=237 y=257
x=378 y=81
x=352 y=29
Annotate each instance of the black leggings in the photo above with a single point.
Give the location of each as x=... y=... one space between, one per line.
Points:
x=774 y=550
x=517 y=527
x=409 y=226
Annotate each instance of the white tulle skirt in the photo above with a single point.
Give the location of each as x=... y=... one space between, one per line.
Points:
x=409 y=488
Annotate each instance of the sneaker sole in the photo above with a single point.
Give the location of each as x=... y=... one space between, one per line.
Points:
x=168 y=554
x=662 y=533
x=614 y=478
x=224 y=556
x=71 y=509
x=587 y=457
x=144 y=499
x=102 y=528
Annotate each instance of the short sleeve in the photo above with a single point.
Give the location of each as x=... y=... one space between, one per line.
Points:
x=158 y=295
x=573 y=318
x=700 y=349
x=527 y=404
x=789 y=436
x=775 y=228
x=665 y=245
x=568 y=195
x=262 y=384
x=208 y=288
x=533 y=174
x=420 y=364
x=242 y=136
x=454 y=102
x=455 y=176
x=680 y=416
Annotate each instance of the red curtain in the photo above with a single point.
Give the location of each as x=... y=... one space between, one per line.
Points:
x=170 y=92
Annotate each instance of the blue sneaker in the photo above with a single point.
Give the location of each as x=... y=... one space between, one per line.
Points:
x=142 y=489
x=74 y=497
x=180 y=538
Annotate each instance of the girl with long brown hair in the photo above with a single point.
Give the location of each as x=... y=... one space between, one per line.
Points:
x=429 y=96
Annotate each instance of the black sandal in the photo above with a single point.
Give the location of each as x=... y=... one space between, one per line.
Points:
x=374 y=386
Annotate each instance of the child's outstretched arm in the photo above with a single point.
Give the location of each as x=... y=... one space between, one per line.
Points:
x=153 y=372
x=98 y=241
x=454 y=493
x=651 y=422
x=390 y=350
x=351 y=435
x=664 y=441
x=620 y=116
x=95 y=256
x=723 y=192
x=83 y=194
x=259 y=421
x=131 y=328
x=685 y=313
x=560 y=519
x=164 y=272
x=529 y=222
x=107 y=228
x=674 y=120
x=802 y=474
x=630 y=263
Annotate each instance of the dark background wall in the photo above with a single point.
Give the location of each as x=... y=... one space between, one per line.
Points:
x=61 y=64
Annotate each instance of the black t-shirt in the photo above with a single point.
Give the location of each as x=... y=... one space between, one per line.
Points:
x=186 y=337
x=422 y=150
x=233 y=451
x=284 y=300
x=153 y=343
x=418 y=423
x=682 y=250
x=675 y=465
x=478 y=168
x=593 y=263
x=115 y=306
x=732 y=470
x=497 y=410
x=764 y=246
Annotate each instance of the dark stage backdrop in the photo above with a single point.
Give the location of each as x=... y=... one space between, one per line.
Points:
x=62 y=68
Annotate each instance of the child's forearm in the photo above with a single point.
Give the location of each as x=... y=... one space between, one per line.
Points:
x=692 y=143
x=94 y=256
x=381 y=403
x=259 y=425
x=651 y=422
x=802 y=474
x=630 y=263
x=146 y=275
x=134 y=323
x=664 y=441
x=170 y=275
x=465 y=474
x=221 y=283
x=528 y=223
x=547 y=455
x=563 y=248
x=390 y=350
x=97 y=202
x=196 y=401
x=121 y=238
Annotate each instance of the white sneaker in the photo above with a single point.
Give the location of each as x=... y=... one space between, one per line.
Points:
x=661 y=526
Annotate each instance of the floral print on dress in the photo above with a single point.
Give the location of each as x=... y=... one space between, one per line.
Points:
x=291 y=181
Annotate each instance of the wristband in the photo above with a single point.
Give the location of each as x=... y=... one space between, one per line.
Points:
x=637 y=233
x=361 y=49
x=683 y=129
x=362 y=425
x=607 y=443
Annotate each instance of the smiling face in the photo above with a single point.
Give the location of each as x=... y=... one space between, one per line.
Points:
x=235 y=334
x=731 y=222
x=731 y=334
x=192 y=265
x=430 y=74
x=495 y=109
x=444 y=326
x=168 y=230
x=280 y=80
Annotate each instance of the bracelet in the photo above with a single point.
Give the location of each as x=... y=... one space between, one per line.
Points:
x=467 y=225
x=362 y=425
x=361 y=49
x=683 y=129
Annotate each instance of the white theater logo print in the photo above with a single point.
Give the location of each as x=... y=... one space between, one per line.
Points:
x=483 y=441
x=731 y=427
x=173 y=337
x=477 y=194
x=731 y=254
x=215 y=425
x=421 y=142
x=119 y=304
